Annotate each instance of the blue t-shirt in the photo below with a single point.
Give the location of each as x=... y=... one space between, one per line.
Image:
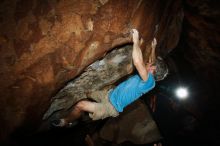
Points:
x=130 y=90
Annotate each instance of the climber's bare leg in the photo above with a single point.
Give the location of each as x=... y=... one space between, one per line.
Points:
x=76 y=113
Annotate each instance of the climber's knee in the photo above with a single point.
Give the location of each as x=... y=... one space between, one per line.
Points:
x=80 y=105
x=85 y=105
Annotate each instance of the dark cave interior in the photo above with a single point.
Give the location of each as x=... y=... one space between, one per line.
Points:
x=194 y=63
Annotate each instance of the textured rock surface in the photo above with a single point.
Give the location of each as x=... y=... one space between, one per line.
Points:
x=141 y=128
x=45 y=43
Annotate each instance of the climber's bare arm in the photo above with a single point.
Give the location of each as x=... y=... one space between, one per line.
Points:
x=138 y=57
x=152 y=57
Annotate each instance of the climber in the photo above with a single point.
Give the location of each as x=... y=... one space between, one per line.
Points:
x=112 y=102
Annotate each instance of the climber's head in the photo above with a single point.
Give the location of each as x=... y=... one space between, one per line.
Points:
x=161 y=70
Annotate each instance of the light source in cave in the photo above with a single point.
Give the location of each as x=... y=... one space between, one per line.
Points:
x=182 y=93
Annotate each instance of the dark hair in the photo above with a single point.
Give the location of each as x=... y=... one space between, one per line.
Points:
x=161 y=69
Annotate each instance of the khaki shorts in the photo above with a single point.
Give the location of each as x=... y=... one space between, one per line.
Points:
x=103 y=107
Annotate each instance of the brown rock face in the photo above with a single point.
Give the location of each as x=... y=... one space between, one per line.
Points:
x=140 y=129
x=44 y=44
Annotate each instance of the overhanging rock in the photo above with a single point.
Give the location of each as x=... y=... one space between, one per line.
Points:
x=99 y=75
x=135 y=124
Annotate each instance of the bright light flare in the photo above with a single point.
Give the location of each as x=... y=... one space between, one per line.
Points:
x=182 y=93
